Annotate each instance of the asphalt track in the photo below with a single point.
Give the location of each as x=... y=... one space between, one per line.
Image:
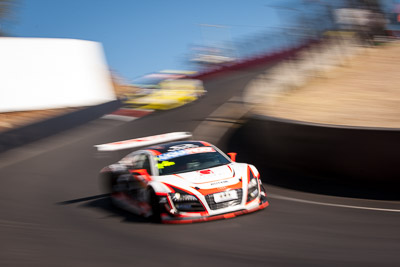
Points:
x=53 y=213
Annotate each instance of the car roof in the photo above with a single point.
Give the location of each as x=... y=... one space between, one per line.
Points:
x=167 y=147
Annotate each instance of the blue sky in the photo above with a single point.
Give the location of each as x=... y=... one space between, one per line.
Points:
x=148 y=35
x=140 y=36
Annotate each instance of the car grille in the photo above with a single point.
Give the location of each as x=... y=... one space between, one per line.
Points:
x=216 y=206
x=189 y=206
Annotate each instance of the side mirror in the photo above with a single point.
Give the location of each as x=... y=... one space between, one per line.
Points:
x=141 y=174
x=233 y=156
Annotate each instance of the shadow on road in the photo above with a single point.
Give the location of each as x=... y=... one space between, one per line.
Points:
x=103 y=202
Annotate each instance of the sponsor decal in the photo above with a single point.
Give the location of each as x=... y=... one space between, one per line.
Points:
x=165 y=164
x=225 y=196
x=205 y=172
x=180 y=147
x=184 y=152
x=219 y=182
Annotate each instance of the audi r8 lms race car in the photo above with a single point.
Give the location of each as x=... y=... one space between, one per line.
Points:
x=181 y=181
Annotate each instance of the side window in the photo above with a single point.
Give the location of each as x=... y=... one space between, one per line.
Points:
x=146 y=164
x=129 y=160
x=142 y=161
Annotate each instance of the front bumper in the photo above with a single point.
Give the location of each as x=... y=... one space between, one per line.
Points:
x=168 y=218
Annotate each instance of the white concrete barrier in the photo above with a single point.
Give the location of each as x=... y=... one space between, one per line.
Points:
x=43 y=73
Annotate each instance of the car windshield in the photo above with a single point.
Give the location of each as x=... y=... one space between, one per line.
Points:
x=153 y=80
x=178 y=162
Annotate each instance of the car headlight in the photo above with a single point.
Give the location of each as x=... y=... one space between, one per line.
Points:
x=186 y=202
x=253 y=183
x=179 y=197
x=252 y=189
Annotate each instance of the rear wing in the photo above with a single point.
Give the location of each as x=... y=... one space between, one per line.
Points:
x=144 y=141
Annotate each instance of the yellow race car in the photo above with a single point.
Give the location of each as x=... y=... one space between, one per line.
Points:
x=172 y=94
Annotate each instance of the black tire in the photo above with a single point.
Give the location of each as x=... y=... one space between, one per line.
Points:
x=155 y=206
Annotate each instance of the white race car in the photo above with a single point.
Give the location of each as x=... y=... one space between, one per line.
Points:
x=181 y=181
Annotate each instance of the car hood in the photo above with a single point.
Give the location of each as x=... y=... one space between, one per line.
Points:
x=208 y=178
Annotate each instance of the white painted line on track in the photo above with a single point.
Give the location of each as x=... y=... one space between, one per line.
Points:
x=329 y=204
x=118 y=117
x=145 y=109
